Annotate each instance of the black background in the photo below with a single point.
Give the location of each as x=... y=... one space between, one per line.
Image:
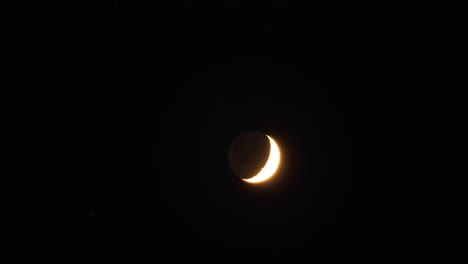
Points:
x=135 y=107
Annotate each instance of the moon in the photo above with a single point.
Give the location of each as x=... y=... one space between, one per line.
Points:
x=254 y=157
x=271 y=165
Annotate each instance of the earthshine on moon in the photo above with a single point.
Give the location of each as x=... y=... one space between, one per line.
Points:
x=254 y=157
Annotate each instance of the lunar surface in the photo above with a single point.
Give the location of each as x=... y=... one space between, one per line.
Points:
x=254 y=157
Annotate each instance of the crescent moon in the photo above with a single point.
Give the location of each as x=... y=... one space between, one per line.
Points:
x=271 y=165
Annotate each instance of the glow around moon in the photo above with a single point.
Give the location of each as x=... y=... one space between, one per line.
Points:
x=271 y=165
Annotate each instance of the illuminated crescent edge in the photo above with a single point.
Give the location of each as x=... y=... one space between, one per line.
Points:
x=271 y=165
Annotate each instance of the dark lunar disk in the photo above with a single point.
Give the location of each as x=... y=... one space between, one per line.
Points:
x=248 y=154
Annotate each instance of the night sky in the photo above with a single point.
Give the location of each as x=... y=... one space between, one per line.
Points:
x=137 y=106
